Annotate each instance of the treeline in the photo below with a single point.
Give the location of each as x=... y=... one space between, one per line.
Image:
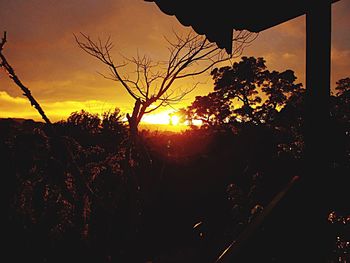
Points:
x=84 y=190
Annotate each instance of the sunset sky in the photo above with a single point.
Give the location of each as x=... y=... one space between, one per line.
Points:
x=44 y=54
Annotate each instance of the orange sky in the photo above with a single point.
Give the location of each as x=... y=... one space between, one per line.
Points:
x=42 y=49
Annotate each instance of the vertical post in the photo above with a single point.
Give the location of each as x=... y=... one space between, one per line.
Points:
x=318 y=61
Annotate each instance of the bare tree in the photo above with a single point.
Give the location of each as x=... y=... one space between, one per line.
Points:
x=152 y=84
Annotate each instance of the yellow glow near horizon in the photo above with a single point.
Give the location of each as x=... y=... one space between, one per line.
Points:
x=157 y=118
x=174 y=120
x=165 y=117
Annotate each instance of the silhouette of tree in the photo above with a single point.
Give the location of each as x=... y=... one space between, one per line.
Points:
x=343 y=87
x=113 y=130
x=211 y=110
x=241 y=82
x=85 y=121
x=256 y=93
x=289 y=121
x=153 y=83
x=340 y=117
x=107 y=130
x=278 y=87
x=112 y=121
x=343 y=100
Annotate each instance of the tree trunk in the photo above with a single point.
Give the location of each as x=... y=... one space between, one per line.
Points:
x=134 y=118
x=133 y=126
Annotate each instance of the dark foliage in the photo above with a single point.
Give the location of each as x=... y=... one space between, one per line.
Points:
x=90 y=194
x=245 y=92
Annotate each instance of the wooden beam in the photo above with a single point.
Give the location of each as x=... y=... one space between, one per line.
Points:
x=318 y=66
x=316 y=190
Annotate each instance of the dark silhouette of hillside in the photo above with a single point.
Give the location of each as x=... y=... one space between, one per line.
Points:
x=83 y=190
x=172 y=197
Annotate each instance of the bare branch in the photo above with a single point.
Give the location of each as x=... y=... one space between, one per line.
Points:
x=3 y=41
x=155 y=108
x=12 y=75
x=189 y=56
x=102 y=52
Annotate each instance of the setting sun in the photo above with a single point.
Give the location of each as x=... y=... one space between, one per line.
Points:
x=165 y=120
x=165 y=117
x=174 y=120
x=158 y=118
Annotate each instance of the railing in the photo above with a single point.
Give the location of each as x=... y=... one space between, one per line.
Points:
x=232 y=251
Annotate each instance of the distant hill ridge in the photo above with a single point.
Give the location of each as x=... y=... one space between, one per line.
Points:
x=19 y=120
x=143 y=126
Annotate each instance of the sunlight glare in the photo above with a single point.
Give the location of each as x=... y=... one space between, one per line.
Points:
x=158 y=118
x=165 y=117
x=174 y=120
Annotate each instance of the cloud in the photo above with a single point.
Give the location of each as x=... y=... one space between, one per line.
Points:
x=340 y=56
x=340 y=64
x=289 y=56
x=7 y=99
x=19 y=107
x=35 y=19
x=42 y=49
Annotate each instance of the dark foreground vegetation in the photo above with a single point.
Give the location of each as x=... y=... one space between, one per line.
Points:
x=82 y=190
